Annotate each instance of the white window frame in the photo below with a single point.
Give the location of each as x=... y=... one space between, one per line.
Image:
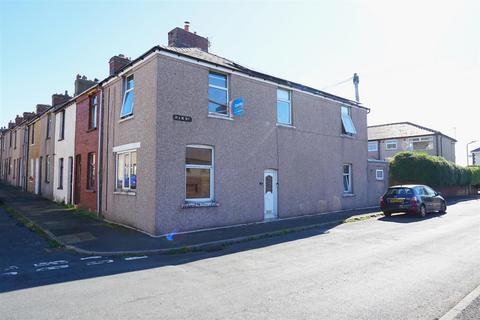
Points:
x=201 y=166
x=372 y=143
x=92 y=112
x=123 y=188
x=289 y=101
x=420 y=139
x=346 y=119
x=349 y=174
x=381 y=176
x=125 y=91
x=393 y=141
x=229 y=114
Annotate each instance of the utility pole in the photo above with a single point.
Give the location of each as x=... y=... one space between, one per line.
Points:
x=356 y=81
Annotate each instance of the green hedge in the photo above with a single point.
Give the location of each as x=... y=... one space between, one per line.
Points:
x=421 y=168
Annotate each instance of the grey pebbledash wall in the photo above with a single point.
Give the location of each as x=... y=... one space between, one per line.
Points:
x=309 y=157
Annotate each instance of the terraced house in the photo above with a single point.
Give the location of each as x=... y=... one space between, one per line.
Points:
x=174 y=145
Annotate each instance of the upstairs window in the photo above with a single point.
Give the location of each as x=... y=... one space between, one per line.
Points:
x=284 y=107
x=348 y=127
x=92 y=113
x=421 y=143
x=32 y=129
x=91 y=171
x=49 y=125
x=218 y=94
x=372 y=146
x=199 y=174
x=347 y=178
x=15 y=140
x=62 y=126
x=127 y=106
x=391 y=145
x=11 y=139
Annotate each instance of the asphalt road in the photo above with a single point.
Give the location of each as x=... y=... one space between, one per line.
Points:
x=392 y=268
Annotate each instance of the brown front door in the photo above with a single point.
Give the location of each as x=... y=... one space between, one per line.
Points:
x=78 y=175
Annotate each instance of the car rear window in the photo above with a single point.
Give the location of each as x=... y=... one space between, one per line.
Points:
x=400 y=192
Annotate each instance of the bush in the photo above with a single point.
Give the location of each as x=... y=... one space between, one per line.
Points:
x=421 y=168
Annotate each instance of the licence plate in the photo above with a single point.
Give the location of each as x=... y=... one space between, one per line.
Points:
x=396 y=200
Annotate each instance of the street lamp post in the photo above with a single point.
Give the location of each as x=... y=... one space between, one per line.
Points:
x=467 y=148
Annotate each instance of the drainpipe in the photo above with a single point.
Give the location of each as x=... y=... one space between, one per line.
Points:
x=100 y=156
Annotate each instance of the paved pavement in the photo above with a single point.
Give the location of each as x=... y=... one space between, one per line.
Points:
x=87 y=235
x=391 y=268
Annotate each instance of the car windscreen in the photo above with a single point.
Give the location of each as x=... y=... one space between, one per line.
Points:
x=400 y=192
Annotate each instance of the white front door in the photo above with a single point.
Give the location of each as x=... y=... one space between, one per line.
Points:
x=270 y=193
x=37 y=176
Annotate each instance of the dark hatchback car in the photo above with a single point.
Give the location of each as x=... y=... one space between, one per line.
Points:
x=416 y=199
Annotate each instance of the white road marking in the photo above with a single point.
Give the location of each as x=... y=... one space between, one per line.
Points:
x=462 y=305
x=93 y=263
x=13 y=273
x=92 y=257
x=10 y=268
x=63 y=266
x=135 y=258
x=51 y=263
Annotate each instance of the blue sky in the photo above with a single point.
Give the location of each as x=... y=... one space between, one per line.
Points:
x=417 y=60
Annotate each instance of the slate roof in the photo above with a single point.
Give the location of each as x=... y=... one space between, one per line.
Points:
x=400 y=130
x=476 y=150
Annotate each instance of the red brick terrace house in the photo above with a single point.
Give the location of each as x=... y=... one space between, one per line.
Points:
x=86 y=143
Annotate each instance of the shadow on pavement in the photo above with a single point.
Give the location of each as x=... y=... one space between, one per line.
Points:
x=410 y=218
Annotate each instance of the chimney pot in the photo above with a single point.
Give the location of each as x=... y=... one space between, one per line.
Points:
x=187 y=26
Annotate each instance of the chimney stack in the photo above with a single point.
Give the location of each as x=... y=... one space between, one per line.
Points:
x=82 y=84
x=18 y=120
x=11 y=125
x=117 y=63
x=28 y=115
x=41 y=108
x=59 y=98
x=183 y=38
x=356 y=81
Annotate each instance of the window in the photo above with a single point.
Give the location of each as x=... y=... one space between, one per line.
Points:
x=47 y=168
x=15 y=140
x=421 y=143
x=127 y=106
x=49 y=124
x=284 y=107
x=11 y=139
x=348 y=127
x=62 y=125
x=379 y=174
x=199 y=173
x=218 y=94
x=60 y=173
x=32 y=129
x=91 y=171
x=347 y=178
x=14 y=167
x=92 y=113
x=126 y=171
x=391 y=144
x=372 y=146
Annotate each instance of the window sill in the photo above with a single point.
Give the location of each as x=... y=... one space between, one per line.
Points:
x=127 y=193
x=91 y=129
x=218 y=116
x=189 y=205
x=61 y=139
x=283 y=125
x=350 y=136
x=126 y=118
x=90 y=191
x=348 y=195
x=59 y=188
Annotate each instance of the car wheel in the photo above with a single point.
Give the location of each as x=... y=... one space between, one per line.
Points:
x=423 y=211
x=443 y=208
x=387 y=214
